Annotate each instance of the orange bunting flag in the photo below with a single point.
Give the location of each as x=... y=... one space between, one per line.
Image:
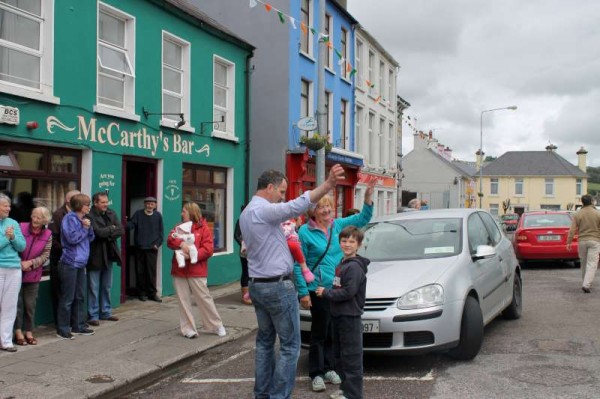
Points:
x=377 y=99
x=329 y=44
x=303 y=27
x=268 y=7
x=348 y=67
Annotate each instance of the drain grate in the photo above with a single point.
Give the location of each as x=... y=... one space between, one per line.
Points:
x=552 y=376
x=100 y=379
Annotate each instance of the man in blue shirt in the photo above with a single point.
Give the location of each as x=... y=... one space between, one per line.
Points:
x=270 y=267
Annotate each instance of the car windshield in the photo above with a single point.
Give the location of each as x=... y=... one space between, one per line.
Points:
x=412 y=239
x=547 y=220
x=510 y=217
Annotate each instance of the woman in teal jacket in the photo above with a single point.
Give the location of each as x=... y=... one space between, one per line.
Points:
x=314 y=236
x=11 y=243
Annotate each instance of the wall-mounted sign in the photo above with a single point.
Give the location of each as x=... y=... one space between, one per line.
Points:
x=309 y=123
x=9 y=115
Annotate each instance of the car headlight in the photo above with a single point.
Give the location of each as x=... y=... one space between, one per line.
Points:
x=424 y=297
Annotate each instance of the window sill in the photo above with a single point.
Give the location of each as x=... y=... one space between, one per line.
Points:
x=22 y=92
x=101 y=109
x=345 y=79
x=331 y=71
x=360 y=88
x=173 y=125
x=225 y=136
x=307 y=56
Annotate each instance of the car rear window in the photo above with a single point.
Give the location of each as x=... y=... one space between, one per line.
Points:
x=509 y=217
x=555 y=220
x=412 y=239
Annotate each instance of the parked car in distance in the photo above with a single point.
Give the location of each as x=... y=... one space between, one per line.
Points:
x=509 y=221
x=435 y=280
x=542 y=236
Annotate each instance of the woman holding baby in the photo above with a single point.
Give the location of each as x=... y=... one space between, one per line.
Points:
x=191 y=278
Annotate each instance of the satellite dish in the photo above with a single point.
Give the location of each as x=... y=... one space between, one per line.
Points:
x=308 y=123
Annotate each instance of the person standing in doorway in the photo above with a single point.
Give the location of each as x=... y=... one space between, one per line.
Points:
x=586 y=223
x=270 y=267
x=148 y=237
x=103 y=252
x=56 y=250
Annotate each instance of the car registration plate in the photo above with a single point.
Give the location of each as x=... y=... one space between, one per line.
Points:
x=370 y=326
x=549 y=238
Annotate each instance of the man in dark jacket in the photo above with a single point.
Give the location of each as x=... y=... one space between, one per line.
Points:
x=148 y=237
x=56 y=250
x=103 y=252
x=347 y=298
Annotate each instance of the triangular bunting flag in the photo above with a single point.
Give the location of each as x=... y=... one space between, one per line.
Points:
x=281 y=17
x=303 y=27
x=348 y=68
x=293 y=22
x=338 y=53
x=252 y=3
x=377 y=99
x=352 y=72
x=314 y=32
x=329 y=44
x=341 y=60
x=268 y=7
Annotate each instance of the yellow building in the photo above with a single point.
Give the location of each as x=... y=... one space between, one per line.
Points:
x=532 y=180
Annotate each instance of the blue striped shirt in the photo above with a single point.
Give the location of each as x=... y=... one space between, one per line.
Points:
x=268 y=252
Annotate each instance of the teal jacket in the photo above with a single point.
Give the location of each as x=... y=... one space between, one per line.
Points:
x=9 y=249
x=314 y=242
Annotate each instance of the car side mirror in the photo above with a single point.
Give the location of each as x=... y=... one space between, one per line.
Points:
x=484 y=252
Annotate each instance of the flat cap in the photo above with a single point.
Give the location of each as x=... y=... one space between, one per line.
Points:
x=150 y=199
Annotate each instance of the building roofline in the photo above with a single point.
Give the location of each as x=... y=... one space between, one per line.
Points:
x=378 y=45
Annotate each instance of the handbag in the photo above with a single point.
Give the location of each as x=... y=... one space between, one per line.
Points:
x=324 y=253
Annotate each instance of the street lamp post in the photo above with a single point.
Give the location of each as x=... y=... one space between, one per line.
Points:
x=512 y=108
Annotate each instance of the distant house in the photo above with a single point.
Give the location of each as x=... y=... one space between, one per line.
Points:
x=431 y=175
x=533 y=180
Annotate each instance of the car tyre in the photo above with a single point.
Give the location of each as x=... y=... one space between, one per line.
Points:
x=514 y=310
x=471 y=332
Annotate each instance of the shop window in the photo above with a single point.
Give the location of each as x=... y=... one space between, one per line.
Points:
x=207 y=187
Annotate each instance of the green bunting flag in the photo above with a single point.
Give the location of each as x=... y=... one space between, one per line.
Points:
x=281 y=17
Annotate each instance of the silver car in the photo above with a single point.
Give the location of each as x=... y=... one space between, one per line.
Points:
x=436 y=278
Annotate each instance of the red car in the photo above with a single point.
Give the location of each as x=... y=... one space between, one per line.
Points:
x=542 y=236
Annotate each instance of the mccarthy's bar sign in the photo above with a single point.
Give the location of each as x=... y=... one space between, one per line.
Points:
x=112 y=135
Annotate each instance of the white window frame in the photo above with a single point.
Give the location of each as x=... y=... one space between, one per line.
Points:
x=494 y=209
x=381 y=75
x=309 y=35
x=128 y=109
x=172 y=120
x=383 y=151
x=521 y=183
x=328 y=32
x=578 y=187
x=370 y=150
x=358 y=129
x=549 y=183
x=494 y=186
x=329 y=109
x=391 y=147
x=358 y=63
x=371 y=72
x=229 y=134
x=45 y=92
x=309 y=106
x=390 y=83
x=344 y=119
x=344 y=38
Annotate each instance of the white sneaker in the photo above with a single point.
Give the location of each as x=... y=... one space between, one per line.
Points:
x=221 y=331
x=318 y=385
x=191 y=335
x=332 y=377
x=337 y=395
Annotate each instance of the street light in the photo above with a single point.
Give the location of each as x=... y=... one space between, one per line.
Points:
x=511 y=108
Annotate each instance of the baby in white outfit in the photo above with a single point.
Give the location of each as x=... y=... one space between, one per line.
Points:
x=184 y=232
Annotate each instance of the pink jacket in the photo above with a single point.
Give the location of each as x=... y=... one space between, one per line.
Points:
x=37 y=248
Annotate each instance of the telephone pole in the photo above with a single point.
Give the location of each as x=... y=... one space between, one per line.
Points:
x=321 y=112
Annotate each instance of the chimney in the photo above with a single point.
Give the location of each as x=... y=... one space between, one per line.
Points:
x=419 y=141
x=582 y=159
x=479 y=159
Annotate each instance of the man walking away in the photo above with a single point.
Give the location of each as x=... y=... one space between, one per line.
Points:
x=586 y=223
x=148 y=237
x=270 y=267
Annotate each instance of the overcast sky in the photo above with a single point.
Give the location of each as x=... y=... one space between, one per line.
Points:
x=460 y=57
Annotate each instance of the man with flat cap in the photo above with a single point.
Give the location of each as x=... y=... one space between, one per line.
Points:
x=148 y=237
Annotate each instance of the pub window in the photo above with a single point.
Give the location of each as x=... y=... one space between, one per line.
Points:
x=207 y=187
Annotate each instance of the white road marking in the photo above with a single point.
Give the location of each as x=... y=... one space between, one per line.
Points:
x=427 y=377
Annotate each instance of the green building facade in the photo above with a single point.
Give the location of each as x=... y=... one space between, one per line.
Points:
x=136 y=98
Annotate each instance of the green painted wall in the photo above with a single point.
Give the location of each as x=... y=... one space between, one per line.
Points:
x=74 y=123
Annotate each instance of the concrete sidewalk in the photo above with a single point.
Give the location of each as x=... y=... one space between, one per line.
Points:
x=140 y=346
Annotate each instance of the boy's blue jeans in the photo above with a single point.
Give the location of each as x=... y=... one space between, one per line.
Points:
x=348 y=354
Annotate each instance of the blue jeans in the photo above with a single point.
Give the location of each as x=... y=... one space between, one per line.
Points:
x=276 y=307
x=71 y=311
x=99 y=284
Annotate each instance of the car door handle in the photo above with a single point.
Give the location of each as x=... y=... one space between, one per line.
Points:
x=500 y=257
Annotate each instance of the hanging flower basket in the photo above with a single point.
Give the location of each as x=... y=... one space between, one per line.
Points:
x=315 y=142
